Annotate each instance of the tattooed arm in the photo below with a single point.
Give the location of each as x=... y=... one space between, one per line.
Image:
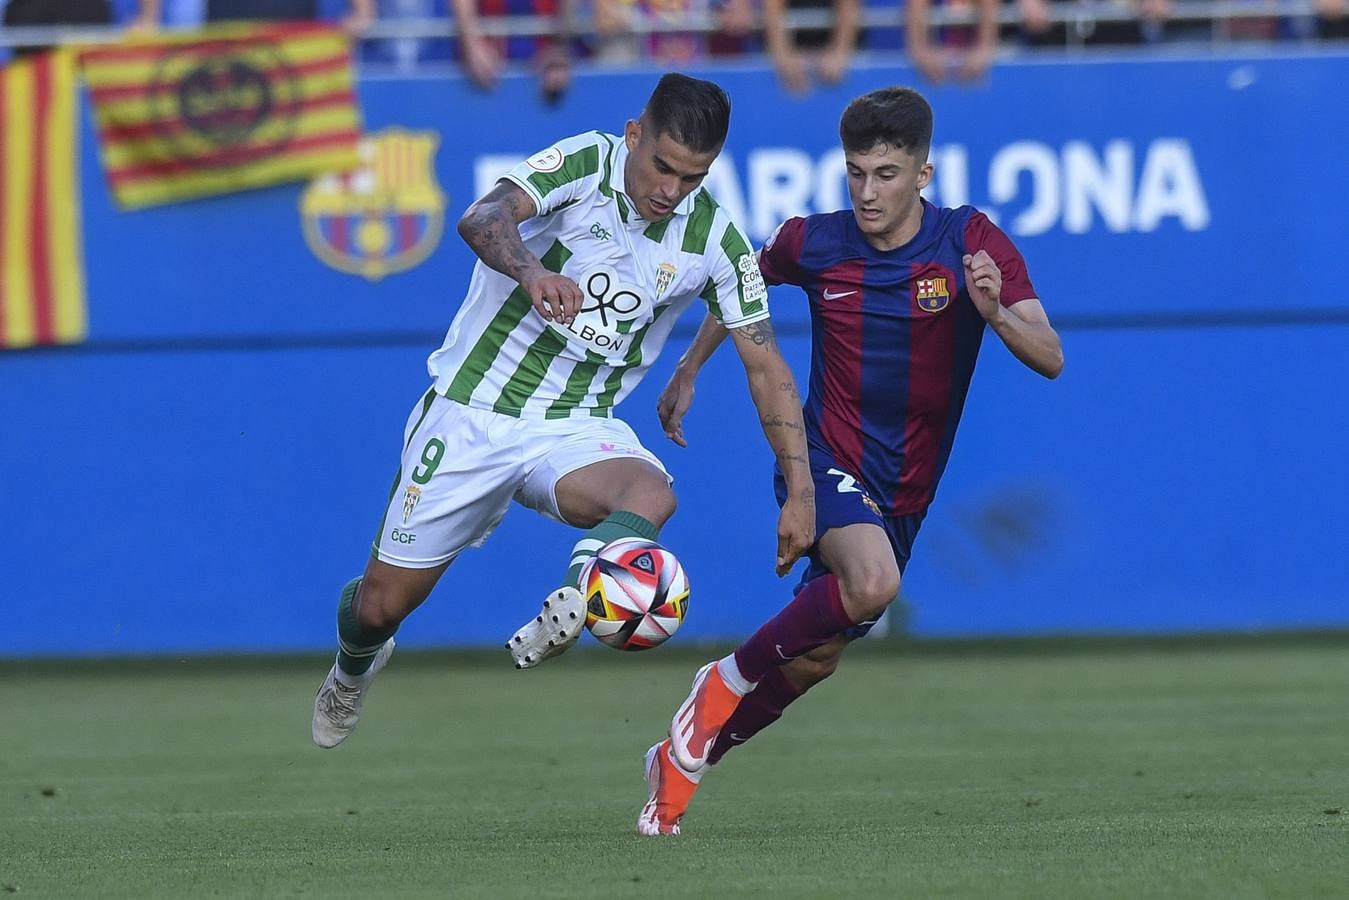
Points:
x=491 y=226
x=773 y=390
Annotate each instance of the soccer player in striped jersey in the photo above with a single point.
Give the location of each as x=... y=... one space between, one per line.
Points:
x=588 y=251
x=901 y=293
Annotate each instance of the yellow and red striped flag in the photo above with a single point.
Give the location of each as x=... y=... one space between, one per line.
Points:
x=232 y=107
x=41 y=263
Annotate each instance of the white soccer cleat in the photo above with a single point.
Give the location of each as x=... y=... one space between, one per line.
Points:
x=552 y=631
x=337 y=707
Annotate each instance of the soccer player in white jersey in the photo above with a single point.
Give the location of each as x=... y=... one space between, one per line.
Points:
x=587 y=253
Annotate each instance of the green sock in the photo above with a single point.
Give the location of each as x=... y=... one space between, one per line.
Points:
x=619 y=525
x=357 y=646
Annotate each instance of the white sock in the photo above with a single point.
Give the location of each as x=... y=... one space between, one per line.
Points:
x=349 y=680
x=730 y=673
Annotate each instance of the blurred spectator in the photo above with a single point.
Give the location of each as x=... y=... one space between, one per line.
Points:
x=889 y=37
x=963 y=50
x=19 y=13
x=624 y=31
x=548 y=54
x=627 y=31
x=407 y=53
x=1332 y=19
x=1248 y=28
x=800 y=53
x=735 y=29
x=1037 y=28
x=1150 y=24
x=356 y=19
x=482 y=58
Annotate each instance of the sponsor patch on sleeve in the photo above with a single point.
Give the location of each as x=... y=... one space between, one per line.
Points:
x=549 y=160
x=753 y=291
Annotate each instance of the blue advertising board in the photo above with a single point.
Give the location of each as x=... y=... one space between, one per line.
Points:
x=209 y=468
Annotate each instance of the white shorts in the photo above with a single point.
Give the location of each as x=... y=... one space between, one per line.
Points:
x=462 y=466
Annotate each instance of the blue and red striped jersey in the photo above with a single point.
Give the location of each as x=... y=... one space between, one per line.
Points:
x=895 y=337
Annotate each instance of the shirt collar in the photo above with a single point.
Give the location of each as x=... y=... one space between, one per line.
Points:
x=619 y=162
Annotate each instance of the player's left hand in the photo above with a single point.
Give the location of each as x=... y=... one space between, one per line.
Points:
x=796 y=531
x=983 y=280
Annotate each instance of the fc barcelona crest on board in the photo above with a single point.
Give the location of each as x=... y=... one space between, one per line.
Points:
x=933 y=295
x=384 y=216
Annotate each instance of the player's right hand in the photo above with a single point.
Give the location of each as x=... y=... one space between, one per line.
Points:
x=796 y=531
x=674 y=401
x=555 y=297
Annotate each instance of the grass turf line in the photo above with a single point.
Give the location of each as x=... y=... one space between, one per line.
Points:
x=1181 y=772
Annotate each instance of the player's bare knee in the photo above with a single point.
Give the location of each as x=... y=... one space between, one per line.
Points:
x=665 y=505
x=652 y=500
x=378 y=606
x=869 y=592
x=586 y=518
x=376 y=616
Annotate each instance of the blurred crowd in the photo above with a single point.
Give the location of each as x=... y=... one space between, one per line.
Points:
x=806 y=40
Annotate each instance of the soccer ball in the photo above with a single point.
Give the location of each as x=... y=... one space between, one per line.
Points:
x=636 y=594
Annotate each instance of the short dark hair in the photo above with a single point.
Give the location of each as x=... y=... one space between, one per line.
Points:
x=897 y=116
x=694 y=112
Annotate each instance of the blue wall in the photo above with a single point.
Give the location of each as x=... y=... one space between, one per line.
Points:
x=208 y=469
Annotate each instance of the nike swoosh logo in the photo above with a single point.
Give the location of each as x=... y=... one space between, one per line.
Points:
x=781 y=654
x=829 y=296
x=737 y=739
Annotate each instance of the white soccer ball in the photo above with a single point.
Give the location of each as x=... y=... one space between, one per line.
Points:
x=636 y=594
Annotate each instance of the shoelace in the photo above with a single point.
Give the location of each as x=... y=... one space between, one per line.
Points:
x=341 y=701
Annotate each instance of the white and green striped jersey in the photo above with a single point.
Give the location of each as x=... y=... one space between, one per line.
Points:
x=636 y=276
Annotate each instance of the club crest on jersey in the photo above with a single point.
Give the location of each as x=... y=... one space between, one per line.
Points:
x=411 y=496
x=665 y=274
x=932 y=294
x=382 y=217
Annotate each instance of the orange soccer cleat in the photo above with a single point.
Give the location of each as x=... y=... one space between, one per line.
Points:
x=695 y=726
x=671 y=790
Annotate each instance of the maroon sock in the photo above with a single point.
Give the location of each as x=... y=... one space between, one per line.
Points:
x=814 y=617
x=760 y=708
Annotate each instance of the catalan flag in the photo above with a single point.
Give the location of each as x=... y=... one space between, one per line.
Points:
x=41 y=263
x=232 y=107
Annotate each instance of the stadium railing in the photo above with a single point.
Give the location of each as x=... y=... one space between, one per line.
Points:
x=1080 y=17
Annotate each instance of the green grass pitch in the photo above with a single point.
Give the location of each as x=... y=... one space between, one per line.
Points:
x=1078 y=771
